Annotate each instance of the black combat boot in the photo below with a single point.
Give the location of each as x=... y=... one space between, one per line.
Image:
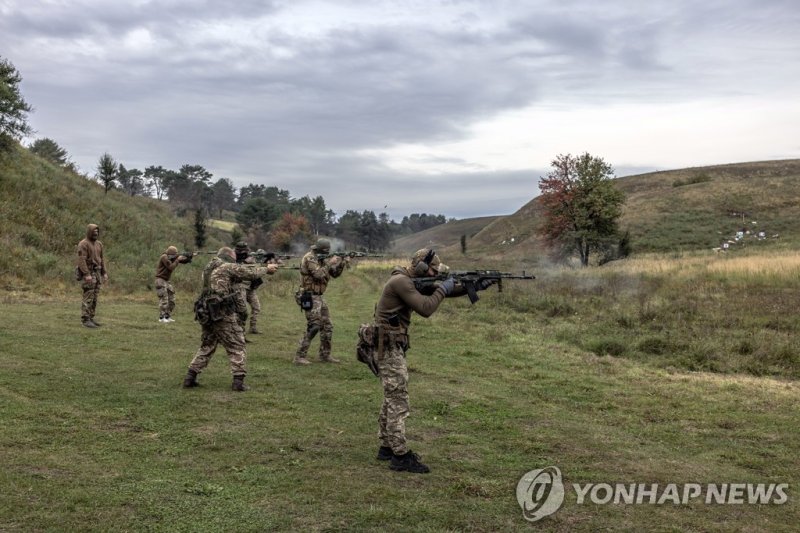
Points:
x=190 y=380
x=88 y=323
x=384 y=453
x=408 y=462
x=238 y=384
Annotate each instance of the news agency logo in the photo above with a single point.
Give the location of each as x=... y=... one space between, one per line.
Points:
x=540 y=493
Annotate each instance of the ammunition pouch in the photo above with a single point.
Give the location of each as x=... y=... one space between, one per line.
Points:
x=305 y=299
x=213 y=308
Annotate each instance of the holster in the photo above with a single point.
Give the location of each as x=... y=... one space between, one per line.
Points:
x=220 y=306
x=306 y=300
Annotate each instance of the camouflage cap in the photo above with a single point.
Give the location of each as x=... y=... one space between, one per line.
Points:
x=436 y=263
x=171 y=251
x=242 y=246
x=226 y=253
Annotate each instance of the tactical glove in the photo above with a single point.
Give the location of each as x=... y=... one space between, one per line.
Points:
x=448 y=285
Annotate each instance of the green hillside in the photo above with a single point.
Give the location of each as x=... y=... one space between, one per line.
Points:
x=676 y=210
x=440 y=236
x=44 y=211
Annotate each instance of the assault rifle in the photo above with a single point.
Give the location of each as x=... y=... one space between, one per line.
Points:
x=190 y=255
x=469 y=279
x=348 y=254
x=262 y=258
x=256 y=283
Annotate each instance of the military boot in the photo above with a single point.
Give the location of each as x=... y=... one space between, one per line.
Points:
x=328 y=359
x=408 y=462
x=190 y=380
x=384 y=453
x=88 y=323
x=301 y=360
x=238 y=384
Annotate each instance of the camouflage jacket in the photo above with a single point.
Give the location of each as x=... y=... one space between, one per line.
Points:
x=315 y=273
x=226 y=276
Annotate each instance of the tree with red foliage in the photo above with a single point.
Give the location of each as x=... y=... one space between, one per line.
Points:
x=290 y=229
x=581 y=206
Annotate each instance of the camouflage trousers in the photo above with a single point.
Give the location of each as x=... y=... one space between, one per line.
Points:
x=395 y=408
x=255 y=308
x=230 y=334
x=318 y=320
x=91 y=289
x=166 y=297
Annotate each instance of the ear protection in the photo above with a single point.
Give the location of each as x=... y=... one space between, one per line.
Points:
x=422 y=267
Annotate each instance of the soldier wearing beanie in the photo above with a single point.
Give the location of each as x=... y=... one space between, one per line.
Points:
x=92 y=273
x=217 y=313
x=168 y=262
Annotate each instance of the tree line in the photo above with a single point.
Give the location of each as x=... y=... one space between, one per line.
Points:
x=267 y=216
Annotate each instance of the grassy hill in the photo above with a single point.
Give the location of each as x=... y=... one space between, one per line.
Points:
x=687 y=209
x=448 y=234
x=44 y=211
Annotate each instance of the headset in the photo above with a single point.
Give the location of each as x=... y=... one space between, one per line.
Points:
x=421 y=268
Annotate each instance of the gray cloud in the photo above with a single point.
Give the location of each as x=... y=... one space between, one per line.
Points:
x=196 y=82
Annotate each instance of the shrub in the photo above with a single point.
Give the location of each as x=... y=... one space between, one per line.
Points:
x=606 y=347
x=654 y=346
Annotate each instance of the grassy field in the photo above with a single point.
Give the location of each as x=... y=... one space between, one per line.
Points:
x=98 y=435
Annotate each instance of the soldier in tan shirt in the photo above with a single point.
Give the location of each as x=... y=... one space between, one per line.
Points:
x=92 y=273
x=167 y=263
x=393 y=317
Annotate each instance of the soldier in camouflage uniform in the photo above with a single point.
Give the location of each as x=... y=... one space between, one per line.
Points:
x=315 y=273
x=168 y=262
x=252 y=296
x=392 y=318
x=92 y=272
x=241 y=286
x=219 y=278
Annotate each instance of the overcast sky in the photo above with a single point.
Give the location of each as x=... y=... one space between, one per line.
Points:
x=450 y=106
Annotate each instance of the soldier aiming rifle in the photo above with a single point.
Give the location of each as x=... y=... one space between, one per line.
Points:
x=167 y=263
